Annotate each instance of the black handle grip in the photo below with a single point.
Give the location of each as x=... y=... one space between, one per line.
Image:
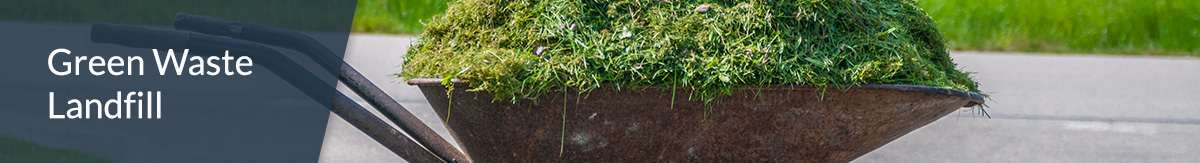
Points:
x=138 y=37
x=207 y=25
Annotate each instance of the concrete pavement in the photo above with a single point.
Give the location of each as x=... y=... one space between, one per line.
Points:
x=1066 y=108
x=1045 y=108
x=378 y=58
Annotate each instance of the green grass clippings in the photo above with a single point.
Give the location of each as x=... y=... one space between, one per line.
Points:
x=522 y=49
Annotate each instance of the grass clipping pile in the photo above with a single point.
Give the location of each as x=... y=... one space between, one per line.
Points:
x=522 y=49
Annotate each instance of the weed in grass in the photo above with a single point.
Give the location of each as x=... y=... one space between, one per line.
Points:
x=523 y=49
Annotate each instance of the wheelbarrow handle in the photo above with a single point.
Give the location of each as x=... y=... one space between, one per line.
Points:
x=380 y=131
x=316 y=51
x=294 y=74
x=141 y=37
x=261 y=34
x=207 y=25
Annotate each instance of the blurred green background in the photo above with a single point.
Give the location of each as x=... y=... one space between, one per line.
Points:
x=1126 y=27
x=282 y=13
x=395 y=16
x=1164 y=27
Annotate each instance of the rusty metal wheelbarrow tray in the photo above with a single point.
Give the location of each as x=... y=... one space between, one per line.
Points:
x=774 y=123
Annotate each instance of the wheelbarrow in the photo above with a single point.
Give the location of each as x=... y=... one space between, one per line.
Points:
x=783 y=123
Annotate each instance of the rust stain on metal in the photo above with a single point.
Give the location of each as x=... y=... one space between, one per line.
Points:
x=774 y=124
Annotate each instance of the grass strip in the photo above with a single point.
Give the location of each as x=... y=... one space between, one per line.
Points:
x=1154 y=27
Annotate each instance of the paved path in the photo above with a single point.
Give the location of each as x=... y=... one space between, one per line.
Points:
x=378 y=58
x=1045 y=108
x=1064 y=108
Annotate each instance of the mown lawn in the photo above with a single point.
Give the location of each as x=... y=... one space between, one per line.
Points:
x=395 y=16
x=1153 y=27
x=1158 y=27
